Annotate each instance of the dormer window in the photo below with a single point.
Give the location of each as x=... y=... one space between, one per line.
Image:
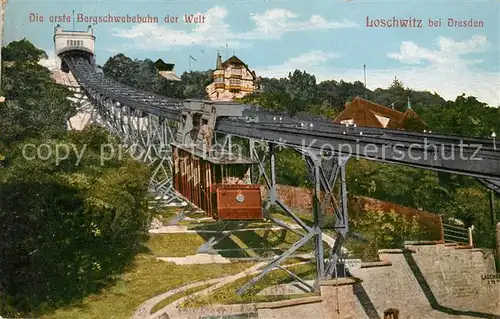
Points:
x=348 y=121
x=383 y=120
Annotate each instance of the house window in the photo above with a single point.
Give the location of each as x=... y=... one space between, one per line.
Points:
x=219 y=80
x=236 y=72
x=234 y=82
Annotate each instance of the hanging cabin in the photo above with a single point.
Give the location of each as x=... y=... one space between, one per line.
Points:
x=219 y=186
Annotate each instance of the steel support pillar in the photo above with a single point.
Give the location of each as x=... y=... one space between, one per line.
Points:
x=271 y=184
x=341 y=226
x=323 y=173
x=185 y=211
x=326 y=172
x=145 y=137
x=207 y=247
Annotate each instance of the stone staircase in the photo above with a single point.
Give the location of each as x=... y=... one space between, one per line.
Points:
x=66 y=79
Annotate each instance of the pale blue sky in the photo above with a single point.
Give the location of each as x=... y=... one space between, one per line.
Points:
x=326 y=38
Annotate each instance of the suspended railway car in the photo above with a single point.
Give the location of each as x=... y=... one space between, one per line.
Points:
x=219 y=186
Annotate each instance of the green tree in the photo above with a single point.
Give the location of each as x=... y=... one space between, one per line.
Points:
x=273 y=85
x=35 y=105
x=139 y=74
x=195 y=83
x=23 y=51
x=143 y=75
x=466 y=116
x=302 y=90
x=273 y=101
x=381 y=230
x=414 y=124
x=291 y=169
x=471 y=205
x=398 y=94
x=68 y=228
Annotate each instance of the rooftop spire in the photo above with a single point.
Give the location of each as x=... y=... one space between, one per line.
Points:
x=218 y=65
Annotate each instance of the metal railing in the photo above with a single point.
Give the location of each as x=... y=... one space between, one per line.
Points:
x=457 y=234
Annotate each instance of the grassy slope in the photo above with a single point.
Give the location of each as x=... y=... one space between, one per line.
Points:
x=146 y=278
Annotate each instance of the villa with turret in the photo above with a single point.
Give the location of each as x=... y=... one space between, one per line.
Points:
x=231 y=79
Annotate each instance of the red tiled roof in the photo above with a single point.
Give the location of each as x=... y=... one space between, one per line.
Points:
x=364 y=113
x=234 y=60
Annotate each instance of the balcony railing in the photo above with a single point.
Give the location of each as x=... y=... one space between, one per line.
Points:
x=457 y=234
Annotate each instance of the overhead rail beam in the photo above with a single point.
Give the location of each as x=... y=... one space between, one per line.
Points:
x=467 y=156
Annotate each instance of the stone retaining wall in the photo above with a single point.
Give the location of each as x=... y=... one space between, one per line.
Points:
x=428 y=281
x=420 y=281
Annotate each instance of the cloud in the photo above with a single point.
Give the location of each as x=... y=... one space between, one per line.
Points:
x=448 y=83
x=272 y=24
x=276 y=22
x=312 y=59
x=447 y=56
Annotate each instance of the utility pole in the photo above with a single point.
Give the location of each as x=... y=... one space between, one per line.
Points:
x=364 y=72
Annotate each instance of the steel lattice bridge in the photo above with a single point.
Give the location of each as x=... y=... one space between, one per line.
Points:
x=166 y=128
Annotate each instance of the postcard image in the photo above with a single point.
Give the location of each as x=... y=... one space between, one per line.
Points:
x=250 y=159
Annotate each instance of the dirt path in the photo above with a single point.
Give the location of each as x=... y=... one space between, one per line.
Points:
x=145 y=308
x=172 y=310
